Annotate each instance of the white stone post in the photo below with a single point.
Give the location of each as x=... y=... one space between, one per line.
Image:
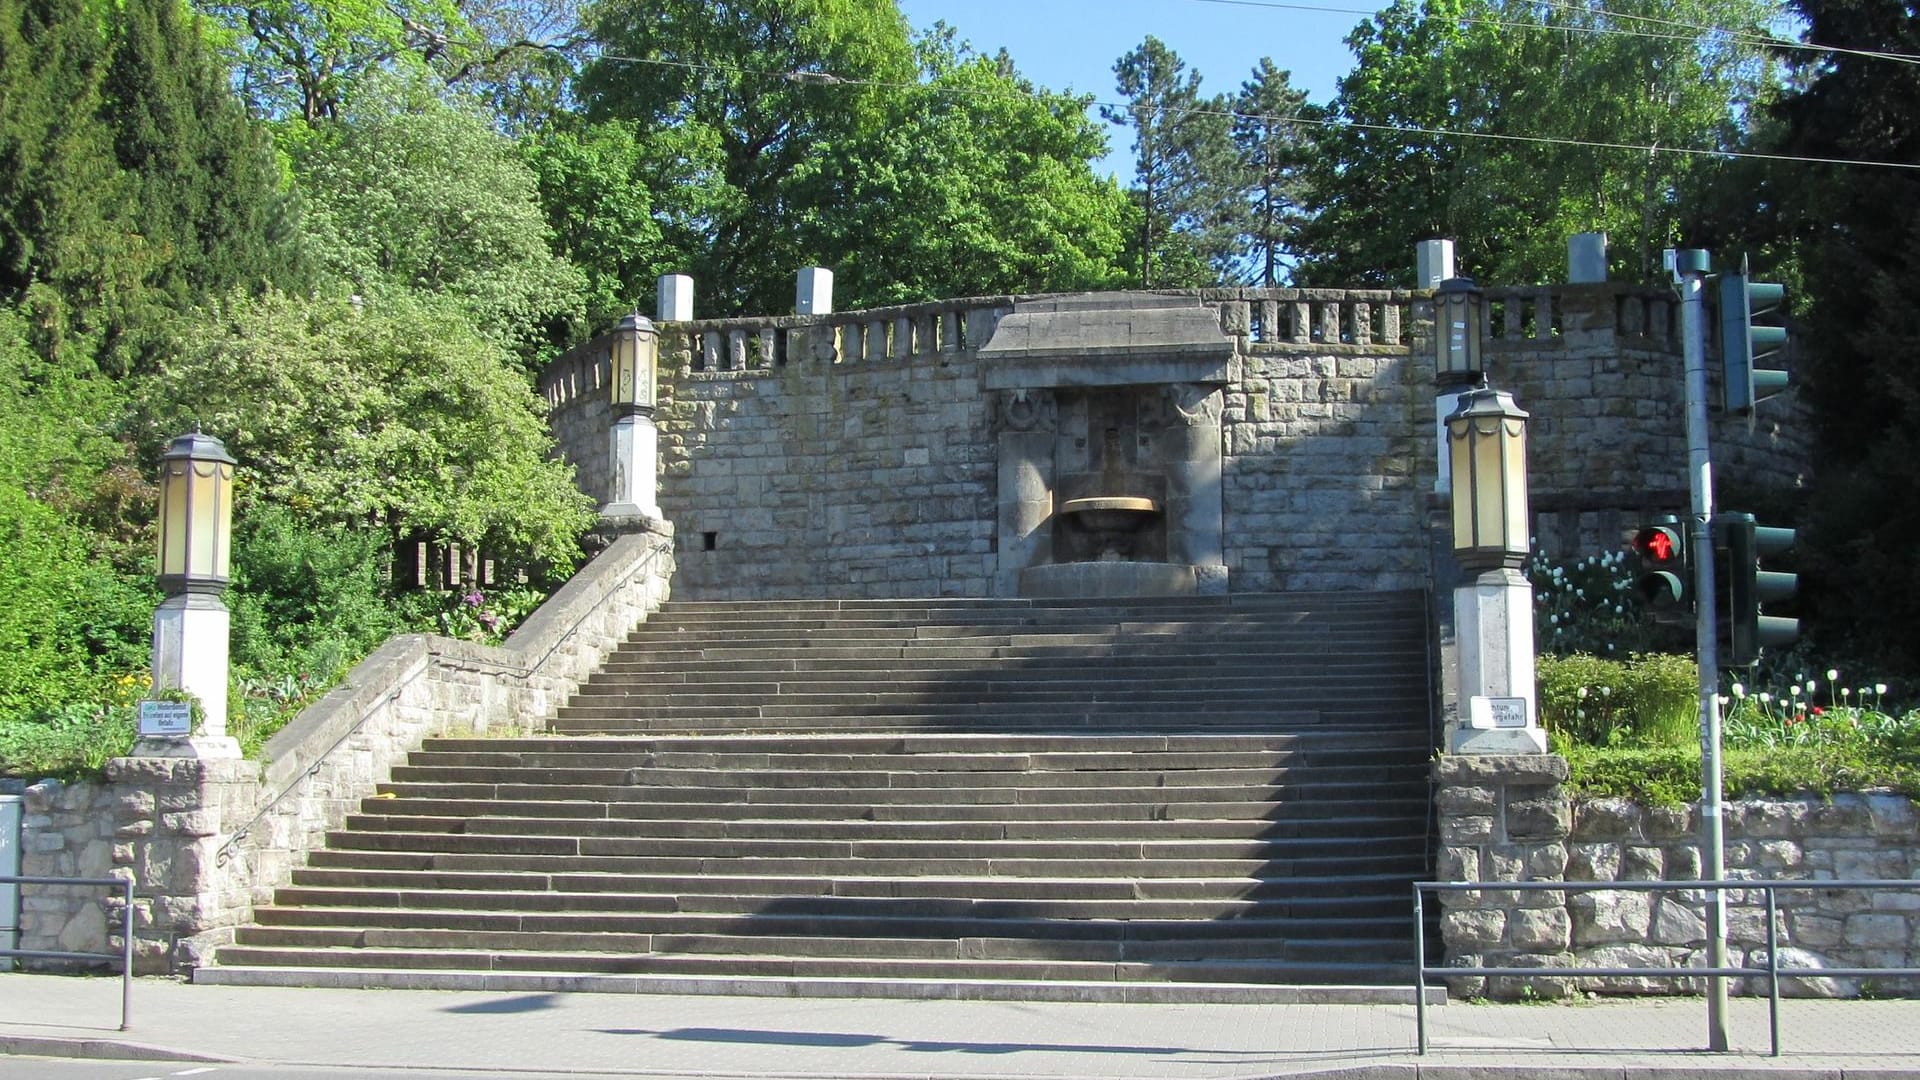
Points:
x=1432 y=263
x=674 y=298
x=1587 y=258
x=813 y=291
x=1493 y=625
x=190 y=645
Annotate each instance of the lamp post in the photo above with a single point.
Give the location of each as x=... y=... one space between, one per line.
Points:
x=1459 y=321
x=1486 y=439
x=634 y=446
x=190 y=627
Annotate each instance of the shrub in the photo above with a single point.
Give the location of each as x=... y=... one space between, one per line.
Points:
x=1645 y=701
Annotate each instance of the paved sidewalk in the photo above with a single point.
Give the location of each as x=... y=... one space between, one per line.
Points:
x=805 y=1039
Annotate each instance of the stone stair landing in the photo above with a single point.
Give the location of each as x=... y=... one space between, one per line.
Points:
x=1196 y=799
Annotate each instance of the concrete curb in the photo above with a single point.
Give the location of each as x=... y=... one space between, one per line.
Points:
x=99 y=1049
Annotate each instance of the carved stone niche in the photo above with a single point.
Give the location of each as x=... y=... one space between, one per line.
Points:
x=1107 y=418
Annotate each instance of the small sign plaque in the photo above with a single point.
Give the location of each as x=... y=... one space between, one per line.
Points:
x=166 y=718
x=1497 y=712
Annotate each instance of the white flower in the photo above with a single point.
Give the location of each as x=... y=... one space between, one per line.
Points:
x=1607 y=691
x=1553 y=620
x=1619 y=609
x=1844 y=692
x=1832 y=674
x=1723 y=699
x=1766 y=698
x=1796 y=690
x=1583 y=691
x=1609 y=646
x=1879 y=688
x=1739 y=691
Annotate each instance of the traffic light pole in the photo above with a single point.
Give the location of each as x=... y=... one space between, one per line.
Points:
x=1689 y=272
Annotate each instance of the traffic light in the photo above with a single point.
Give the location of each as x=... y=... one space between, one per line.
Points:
x=1662 y=579
x=1749 y=355
x=1749 y=586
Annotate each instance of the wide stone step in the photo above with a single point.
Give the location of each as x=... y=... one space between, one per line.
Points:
x=989 y=901
x=1104 y=742
x=786 y=967
x=1304 y=754
x=865 y=865
x=1409 y=805
x=1306 y=834
x=879 y=697
x=1353 y=794
x=826 y=776
x=1386 y=949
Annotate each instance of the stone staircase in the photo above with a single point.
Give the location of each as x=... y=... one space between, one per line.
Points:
x=1219 y=799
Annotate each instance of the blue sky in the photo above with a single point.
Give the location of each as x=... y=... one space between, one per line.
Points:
x=1072 y=44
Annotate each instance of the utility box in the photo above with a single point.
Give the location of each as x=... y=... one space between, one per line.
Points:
x=10 y=813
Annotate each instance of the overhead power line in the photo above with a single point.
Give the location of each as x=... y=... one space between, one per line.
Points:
x=1695 y=29
x=820 y=78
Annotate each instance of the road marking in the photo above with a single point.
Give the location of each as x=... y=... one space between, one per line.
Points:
x=195 y=1072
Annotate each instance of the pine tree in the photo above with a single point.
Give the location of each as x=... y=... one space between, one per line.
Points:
x=1273 y=154
x=1188 y=181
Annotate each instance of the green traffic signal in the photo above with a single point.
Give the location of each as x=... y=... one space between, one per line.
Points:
x=1748 y=587
x=1749 y=354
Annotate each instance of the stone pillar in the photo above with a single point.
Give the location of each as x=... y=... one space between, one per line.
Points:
x=190 y=636
x=1026 y=421
x=1432 y=262
x=1586 y=258
x=674 y=298
x=1194 y=511
x=635 y=447
x=813 y=291
x=1493 y=626
x=1445 y=403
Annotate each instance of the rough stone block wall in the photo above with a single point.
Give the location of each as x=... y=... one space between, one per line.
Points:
x=841 y=480
x=1510 y=819
x=852 y=455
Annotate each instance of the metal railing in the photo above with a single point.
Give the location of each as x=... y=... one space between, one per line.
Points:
x=125 y=885
x=1771 y=970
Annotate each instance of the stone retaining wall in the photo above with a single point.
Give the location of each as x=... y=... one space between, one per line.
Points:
x=205 y=840
x=1511 y=819
x=854 y=454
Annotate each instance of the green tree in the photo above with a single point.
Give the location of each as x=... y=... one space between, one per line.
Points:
x=408 y=193
x=1481 y=120
x=1188 y=184
x=623 y=208
x=1273 y=156
x=302 y=60
x=780 y=87
x=394 y=410
x=1859 y=256
x=977 y=183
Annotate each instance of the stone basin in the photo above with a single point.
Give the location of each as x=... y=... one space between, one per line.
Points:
x=1101 y=512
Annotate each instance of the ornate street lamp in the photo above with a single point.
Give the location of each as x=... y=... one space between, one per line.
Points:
x=636 y=366
x=191 y=626
x=633 y=442
x=1459 y=316
x=1493 y=603
x=196 y=515
x=1487 y=448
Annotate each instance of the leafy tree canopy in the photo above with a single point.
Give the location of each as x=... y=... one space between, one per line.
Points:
x=394 y=411
x=777 y=88
x=1461 y=119
x=408 y=193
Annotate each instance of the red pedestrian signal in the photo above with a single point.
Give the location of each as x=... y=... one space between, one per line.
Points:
x=1661 y=549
